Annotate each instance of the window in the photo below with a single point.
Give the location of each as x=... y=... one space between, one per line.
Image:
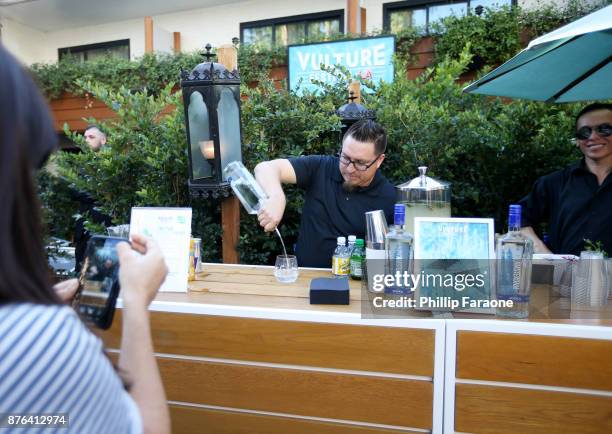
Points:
x=402 y=15
x=82 y=53
x=292 y=30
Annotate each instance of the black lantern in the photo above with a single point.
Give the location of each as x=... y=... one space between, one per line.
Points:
x=211 y=96
x=352 y=112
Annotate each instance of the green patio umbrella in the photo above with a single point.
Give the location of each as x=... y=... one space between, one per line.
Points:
x=569 y=64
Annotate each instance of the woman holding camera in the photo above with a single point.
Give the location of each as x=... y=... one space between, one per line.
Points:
x=50 y=363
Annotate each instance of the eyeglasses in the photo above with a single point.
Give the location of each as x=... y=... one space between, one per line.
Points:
x=358 y=165
x=602 y=130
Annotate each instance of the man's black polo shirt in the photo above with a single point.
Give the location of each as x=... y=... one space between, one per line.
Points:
x=330 y=211
x=575 y=206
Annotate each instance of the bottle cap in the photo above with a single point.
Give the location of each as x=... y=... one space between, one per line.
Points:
x=352 y=238
x=359 y=242
x=399 y=217
x=514 y=216
x=341 y=240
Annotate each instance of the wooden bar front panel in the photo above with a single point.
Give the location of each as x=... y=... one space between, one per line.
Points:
x=207 y=421
x=339 y=346
x=505 y=410
x=534 y=359
x=388 y=401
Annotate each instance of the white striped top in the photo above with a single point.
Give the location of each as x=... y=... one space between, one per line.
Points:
x=50 y=363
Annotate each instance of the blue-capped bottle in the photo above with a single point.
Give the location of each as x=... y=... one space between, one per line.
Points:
x=399 y=247
x=514 y=255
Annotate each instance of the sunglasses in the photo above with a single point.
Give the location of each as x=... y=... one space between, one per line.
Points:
x=602 y=130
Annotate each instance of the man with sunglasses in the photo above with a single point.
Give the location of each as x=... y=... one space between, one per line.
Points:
x=339 y=190
x=577 y=201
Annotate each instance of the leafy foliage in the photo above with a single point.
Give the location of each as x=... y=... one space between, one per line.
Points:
x=498 y=34
x=151 y=72
x=58 y=208
x=494 y=36
x=144 y=162
x=547 y=16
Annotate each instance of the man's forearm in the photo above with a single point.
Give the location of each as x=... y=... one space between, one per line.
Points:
x=268 y=175
x=538 y=244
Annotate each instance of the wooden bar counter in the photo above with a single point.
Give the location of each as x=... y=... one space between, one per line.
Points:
x=241 y=353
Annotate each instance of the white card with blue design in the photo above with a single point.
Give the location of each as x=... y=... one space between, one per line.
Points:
x=171 y=229
x=454 y=258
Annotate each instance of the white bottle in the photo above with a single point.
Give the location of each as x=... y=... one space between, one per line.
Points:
x=351 y=244
x=340 y=259
x=399 y=246
x=514 y=256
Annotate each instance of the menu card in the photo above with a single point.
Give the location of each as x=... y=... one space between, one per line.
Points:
x=454 y=258
x=171 y=229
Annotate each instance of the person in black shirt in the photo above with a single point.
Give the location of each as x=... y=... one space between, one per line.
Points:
x=339 y=190
x=577 y=201
x=95 y=140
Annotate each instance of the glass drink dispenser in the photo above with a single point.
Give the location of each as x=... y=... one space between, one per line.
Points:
x=424 y=197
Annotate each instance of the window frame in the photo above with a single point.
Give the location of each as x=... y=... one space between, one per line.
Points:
x=62 y=52
x=316 y=16
x=390 y=7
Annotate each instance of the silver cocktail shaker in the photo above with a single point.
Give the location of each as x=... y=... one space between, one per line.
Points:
x=376 y=231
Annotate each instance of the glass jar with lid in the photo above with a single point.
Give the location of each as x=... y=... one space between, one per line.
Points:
x=424 y=197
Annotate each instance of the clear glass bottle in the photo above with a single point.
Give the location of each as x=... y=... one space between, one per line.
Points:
x=245 y=187
x=357 y=258
x=399 y=247
x=340 y=259
x=514 y=255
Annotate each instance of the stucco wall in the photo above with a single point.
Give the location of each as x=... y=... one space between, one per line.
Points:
x=217 y=25
x=24 y=42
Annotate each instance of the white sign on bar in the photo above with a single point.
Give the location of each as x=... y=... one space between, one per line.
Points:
x=171 y=229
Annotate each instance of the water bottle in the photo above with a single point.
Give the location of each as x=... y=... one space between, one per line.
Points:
x=514 y=255
x=399 y=253
x=340 y=259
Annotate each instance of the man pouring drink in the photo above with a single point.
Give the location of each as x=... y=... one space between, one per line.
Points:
x=339 y=190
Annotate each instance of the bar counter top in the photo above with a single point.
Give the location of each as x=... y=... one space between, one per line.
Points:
x=240 y=353
x=252 y=291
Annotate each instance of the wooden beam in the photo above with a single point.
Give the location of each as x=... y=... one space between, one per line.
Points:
x=363 y=21
x=177 y=42
x=148 y=28
x=230 y=223
x=355 y=87
x=227 y=55
x=352 y=14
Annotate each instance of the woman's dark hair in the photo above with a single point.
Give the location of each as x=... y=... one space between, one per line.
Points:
x=369 y=131
x=27 y=137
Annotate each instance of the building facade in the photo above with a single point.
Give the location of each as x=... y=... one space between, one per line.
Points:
x=45 y=30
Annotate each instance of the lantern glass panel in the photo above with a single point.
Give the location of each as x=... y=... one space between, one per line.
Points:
x=228 y=114
x=199 y=136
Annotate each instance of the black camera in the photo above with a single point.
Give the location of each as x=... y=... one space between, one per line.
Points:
x=96 y=297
